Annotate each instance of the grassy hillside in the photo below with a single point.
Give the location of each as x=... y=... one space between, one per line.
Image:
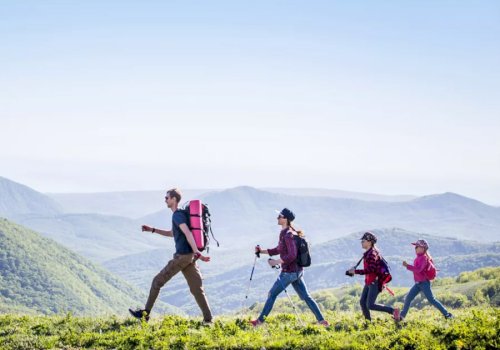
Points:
x=38 y=275
x=475 y=325
x=473 y=328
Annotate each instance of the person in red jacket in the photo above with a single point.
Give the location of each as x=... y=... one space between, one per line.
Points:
x=422 y=283
x=291 y=272
x=370 y=267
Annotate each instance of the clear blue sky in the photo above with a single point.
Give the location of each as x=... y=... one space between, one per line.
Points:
x=376 y=96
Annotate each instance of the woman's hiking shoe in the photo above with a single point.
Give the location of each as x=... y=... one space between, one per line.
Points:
x=324 y=323
x=256 y=323
x=139 y=314
x=396 y=314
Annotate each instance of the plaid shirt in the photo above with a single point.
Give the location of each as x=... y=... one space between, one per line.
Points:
x=287 y=249
x=370 y=265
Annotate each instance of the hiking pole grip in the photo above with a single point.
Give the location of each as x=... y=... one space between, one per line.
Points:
x=257 y=253
x=277 y=267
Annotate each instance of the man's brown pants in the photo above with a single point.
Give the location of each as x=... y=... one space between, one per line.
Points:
x=184 y=263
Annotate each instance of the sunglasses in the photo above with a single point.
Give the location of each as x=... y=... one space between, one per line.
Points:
x=280 y=217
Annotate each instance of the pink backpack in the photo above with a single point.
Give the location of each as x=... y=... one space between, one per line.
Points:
x=430 y=271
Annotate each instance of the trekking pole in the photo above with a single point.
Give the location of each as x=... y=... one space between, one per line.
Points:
x=277 y=267
x=257 y=255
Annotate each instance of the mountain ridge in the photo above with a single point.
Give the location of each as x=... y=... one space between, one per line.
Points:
x=16 y=198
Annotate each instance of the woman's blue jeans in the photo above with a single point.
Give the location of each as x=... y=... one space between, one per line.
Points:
x=297 y=281
x=424 y=287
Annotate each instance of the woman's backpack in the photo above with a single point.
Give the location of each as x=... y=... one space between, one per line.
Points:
x=303 y=253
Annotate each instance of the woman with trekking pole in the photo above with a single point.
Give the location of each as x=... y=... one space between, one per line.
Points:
x=423 y=271
x=371 y=260
x=291 y=272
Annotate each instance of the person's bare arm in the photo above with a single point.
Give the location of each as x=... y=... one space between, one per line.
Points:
x=157 y=230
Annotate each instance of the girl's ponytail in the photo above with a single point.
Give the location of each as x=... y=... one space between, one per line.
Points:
x=429 y=257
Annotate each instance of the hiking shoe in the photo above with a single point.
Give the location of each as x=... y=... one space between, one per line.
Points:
x=396 y=314
x=207 y=323
x=448 y=316
x=324 y=323
x=256 y=323
x=139 y=314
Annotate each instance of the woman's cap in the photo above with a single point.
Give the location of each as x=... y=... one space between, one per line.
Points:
x=368 y=236
x=287 y=214
x=421 y=243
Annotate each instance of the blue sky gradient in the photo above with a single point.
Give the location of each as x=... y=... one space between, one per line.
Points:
x=375 y=96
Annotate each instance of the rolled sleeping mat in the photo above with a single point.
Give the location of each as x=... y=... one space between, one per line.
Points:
x=196 y=222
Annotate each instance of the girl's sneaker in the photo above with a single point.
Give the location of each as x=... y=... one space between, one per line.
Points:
x=396 y=315
x=256 y=323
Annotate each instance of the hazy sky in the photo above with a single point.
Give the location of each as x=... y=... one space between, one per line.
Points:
x=393 y=97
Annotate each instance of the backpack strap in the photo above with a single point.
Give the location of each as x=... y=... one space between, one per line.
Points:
x=213 y=235
x=207 y=215
x=359 y=262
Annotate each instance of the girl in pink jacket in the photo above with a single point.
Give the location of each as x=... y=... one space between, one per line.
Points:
x=422 y=283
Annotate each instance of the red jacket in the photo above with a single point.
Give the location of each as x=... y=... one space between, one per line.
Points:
x=370 y=265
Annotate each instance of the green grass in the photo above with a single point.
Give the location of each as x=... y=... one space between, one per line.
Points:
x=472 y=328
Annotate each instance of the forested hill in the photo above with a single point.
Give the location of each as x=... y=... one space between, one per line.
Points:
x=38 y=275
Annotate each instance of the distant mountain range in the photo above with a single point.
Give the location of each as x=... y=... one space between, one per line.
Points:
x=248 y=212
x=38 y=275
x=324 y=192
x=136 y=204
x=130 y=204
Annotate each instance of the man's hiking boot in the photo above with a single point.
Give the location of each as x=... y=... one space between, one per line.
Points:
x=324 y=323
x=208 y=323
x=396 y=314
x=139 y=314
x=256 y=323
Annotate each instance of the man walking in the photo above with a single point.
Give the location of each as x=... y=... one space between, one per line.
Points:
x=184 y=260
